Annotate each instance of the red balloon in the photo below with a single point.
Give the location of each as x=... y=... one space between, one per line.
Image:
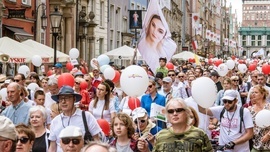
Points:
x=266 y=69
x=66 y=79
x=49 y=73
x=69 y=66
x=218 y=62
x=105 y=126
x=170 y=66
x=83 y=85
x=133 y=103
x=252 y=67
x=116 y=77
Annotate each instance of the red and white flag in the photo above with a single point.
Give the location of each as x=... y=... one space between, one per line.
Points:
x=195 y=20
x=194 y=45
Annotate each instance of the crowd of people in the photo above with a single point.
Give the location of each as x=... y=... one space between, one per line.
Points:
x=61 y=119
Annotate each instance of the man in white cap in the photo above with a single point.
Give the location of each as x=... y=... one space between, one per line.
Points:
x=235 y=130
x=7 y=135
x=167 y=90
x=71 y=139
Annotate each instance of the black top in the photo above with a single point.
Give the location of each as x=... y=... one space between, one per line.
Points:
x=39 y=144
x=219 y=86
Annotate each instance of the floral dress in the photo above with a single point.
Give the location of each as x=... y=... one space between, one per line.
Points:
x=260 y=132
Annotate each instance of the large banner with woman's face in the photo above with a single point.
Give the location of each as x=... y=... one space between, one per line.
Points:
x=155 y=41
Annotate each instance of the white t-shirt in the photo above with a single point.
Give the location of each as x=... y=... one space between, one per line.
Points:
x=97 y=112
x=230 y=131
x=48 y=100
x=203 y=119
x=61 y=121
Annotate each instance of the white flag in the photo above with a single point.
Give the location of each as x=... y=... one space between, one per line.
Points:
x=195 y=20
x=199 y=29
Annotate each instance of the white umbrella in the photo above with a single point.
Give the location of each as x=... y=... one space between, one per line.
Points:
x=124 y=52
x=185 y=55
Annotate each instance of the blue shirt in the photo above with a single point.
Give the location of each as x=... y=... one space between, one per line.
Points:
x=146 y=102
x=18 y=114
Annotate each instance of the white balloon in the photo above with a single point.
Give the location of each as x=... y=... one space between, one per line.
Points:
x=222 y=69
x=230 y=64
x=74 y=53
x=103 y=67
x=134 y=81
x=36 y=60
x=109 y=73
x=3 y=93
x=92 y=63
x=33 y=86
x=103 y=59
x=242 y=68
x=204 y=97
x=260 y=118
x=23 y=69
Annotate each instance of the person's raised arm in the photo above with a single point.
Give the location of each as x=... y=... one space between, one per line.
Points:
x=205 y=111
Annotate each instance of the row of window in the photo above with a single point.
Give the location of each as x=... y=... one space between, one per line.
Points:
x=256 y=40
x=256 y=7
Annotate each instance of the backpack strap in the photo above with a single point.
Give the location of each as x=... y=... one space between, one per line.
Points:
x=221 y=114
x=248 y=86
x=85 y=122
x=241 y=118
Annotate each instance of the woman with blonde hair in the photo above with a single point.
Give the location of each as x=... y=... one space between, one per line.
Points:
x=261 y=138
x=181 y=133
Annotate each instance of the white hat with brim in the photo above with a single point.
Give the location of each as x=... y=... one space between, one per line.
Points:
x=71 y=131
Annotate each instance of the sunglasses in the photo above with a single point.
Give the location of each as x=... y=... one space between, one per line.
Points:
x=171 y=75
x=180 y=76
x=23 y=140
x=141 y=121
x=67 y=141
x=16 y=80
x=177 y=110
x=228 y=101
x=235 y=80
x=150 y=86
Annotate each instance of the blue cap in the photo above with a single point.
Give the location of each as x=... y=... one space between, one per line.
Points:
x=58 y=65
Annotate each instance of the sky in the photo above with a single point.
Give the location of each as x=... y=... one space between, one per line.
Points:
x=236 y=4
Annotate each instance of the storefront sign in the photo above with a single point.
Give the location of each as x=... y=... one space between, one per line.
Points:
x=17 y=60
x=16 y=13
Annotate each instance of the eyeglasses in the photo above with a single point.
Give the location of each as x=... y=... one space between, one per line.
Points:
x=171 y=75
x=228 y=101
x=141 y=121
x=177 y=110
x=65 y=98
x=15 y=80
x=77 y=82
x=180 y=76
x=23 y=140
x=150 y=86
x=67 y=141
x=235 y=80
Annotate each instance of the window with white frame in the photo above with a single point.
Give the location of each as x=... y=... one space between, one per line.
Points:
x=268 y=40
x=244 y=40
x=112 y=16
x=42 y=37
x=259 y=40
x=253 y=40
x=101 y=22
x=26 y=2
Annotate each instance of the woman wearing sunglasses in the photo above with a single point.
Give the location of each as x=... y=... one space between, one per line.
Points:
x=25 y=139
x=181 y=136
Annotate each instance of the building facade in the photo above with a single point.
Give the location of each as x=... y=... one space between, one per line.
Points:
x=255 y=31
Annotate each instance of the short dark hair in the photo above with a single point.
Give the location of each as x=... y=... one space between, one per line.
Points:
x=164 y=59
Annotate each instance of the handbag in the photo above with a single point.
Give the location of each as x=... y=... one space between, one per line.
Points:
x=87 y=136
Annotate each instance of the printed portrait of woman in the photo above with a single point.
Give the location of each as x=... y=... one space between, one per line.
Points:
x=155 y=39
